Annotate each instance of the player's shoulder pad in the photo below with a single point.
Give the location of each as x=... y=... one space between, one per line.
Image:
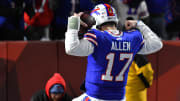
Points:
x=94 y=31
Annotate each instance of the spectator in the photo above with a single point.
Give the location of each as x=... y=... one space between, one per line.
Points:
x=84 y=5
x=140 y=78
x=55 y=90
x=38 y=24
x=157 y=10
x=59 y=23
x=173 y=20
x=11 y=27
x=105 y=67
x=135 y=9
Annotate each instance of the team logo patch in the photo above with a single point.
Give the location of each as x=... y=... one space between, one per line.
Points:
x=110 y=10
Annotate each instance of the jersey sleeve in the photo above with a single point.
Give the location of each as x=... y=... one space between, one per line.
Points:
x=141 y=42
x=91 y=37
x=152 y=43
x=138 y=41
x=76 y=47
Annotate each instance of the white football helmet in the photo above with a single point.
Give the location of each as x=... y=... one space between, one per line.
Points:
x=104 y=13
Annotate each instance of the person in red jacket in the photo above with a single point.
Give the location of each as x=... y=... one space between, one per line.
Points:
x=37 y=25
x=55 y=90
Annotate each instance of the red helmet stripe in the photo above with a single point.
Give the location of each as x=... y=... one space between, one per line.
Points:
x=95 y=10
x=109 y=10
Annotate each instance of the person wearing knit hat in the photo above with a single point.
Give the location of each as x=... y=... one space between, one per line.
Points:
x=55 y=90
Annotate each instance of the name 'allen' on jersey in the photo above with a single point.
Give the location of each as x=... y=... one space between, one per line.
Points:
x=121 y=46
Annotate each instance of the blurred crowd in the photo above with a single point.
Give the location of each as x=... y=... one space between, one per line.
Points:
x=47 y=19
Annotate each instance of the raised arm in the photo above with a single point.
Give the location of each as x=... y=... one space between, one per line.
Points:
x=152 y=43
x=74 y=46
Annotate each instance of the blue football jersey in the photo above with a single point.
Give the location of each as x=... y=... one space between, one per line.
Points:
x=108 y=65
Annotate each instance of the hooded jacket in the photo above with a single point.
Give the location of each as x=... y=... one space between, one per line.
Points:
x=44 y=95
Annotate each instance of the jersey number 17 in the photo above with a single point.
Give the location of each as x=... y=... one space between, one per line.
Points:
x=120 y=76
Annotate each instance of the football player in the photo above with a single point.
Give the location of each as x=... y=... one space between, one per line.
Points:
x=110 y=52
